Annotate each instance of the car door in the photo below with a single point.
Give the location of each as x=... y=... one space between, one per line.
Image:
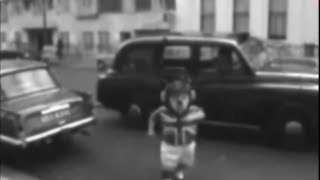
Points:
x=207 y=83
x=225 y=85
x=140 y=67
x=177 y=61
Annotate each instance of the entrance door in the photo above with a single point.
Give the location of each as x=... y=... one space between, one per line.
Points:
x=225 y=87
x=36 y=39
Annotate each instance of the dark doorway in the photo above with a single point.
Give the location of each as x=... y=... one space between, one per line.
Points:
x=37 y=40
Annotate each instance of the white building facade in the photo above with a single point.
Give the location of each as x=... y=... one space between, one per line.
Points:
x=90 y=26
x=84 y=25
x=290 y=21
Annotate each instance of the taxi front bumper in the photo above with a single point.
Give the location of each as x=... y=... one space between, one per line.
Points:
x=23 y=142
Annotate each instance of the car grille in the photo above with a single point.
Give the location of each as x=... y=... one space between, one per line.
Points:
x=38 y=123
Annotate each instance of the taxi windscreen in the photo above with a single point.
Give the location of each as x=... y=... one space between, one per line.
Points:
x=26 y=82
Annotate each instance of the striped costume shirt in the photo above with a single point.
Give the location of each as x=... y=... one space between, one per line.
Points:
x=177 y=130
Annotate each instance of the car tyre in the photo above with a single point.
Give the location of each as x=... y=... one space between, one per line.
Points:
x=276 y=132
x=137 y=116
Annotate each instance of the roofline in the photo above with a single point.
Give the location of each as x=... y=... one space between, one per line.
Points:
x=179 y=38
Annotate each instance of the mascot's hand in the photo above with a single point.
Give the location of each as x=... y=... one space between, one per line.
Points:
x=151 y=133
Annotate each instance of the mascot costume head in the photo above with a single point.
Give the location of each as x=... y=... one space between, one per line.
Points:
x=178 y=96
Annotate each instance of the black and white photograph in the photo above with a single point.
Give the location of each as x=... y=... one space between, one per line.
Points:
x=159 y=90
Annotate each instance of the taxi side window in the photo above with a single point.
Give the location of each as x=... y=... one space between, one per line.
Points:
x=139 y=60
x=220 y=59
x=176 y=56
x=209 y=59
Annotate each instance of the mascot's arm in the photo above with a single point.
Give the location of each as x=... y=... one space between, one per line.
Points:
x=196 y=115
x=154 y=119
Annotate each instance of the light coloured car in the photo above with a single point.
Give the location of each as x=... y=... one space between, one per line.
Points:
x=35 y=107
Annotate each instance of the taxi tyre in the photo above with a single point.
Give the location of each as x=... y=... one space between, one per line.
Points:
x=136 y=119
x=275 y=130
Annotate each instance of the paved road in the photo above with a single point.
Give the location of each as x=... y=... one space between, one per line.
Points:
x=117 y=153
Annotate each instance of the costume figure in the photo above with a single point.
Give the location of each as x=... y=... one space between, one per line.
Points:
x=178 y=120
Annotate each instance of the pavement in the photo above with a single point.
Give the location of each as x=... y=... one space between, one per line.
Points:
x=78 y=62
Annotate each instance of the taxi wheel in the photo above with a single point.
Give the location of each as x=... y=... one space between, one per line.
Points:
x=137 y=116
x=287 y=130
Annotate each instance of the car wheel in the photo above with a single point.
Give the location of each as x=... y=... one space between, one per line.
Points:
x=137 y=116
x=288 y=129
x=312 y=134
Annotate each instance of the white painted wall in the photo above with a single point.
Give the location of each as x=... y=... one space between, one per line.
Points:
x=259 y=18
x=303 y=21
x=188 y=15
x=310 y=24
x=295 y=21
x=224 y=16
x=127 y=20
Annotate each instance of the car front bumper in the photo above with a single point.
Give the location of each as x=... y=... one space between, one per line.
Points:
x=23 y=142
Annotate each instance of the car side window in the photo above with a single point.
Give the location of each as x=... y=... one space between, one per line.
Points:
x=221 y=60
x=139 y=60
x=209 y=59
x=236 y=63
x=176 y=57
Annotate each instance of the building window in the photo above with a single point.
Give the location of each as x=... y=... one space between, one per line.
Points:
x=3 y=37
x=86 y=3
x=65 y=36
x=18 y=39
x=104 y=41
x=37 y=7
x=62 y=6
x=106 y=6
x=4 y=12
x=17 y=7
x=49 y=4
x=278 y=19
x=170 y=4
x=143 y=5
x=208 y=16
x=241 y=16
x=87 y=9
x=27 y=4
x=88 y=40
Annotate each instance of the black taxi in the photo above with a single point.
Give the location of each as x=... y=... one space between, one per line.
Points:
x=231 y=91
x=35 y=107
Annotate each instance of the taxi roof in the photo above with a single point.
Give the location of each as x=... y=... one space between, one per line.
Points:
x=177 y=38
x=10 y=66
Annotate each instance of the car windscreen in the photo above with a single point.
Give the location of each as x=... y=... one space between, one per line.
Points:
x=26 y=82
x=10 y=55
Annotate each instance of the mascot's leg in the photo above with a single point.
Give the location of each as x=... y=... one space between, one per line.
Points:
x=170 y=156
x=187 y=160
